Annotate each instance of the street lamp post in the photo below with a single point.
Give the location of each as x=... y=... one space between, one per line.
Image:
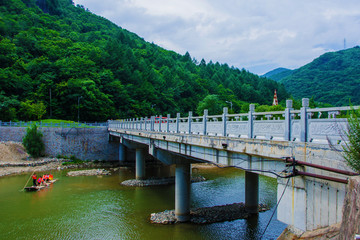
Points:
x=79 y=108
x=230 y=104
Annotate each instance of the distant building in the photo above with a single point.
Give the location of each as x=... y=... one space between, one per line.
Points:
x=275 y=100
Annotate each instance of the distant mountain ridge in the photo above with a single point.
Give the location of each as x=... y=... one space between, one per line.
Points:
x=278 y=74
x=332 y=78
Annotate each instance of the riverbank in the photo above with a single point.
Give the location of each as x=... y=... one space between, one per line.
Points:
x=14 y=160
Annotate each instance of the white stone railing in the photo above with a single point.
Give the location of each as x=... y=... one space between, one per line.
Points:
x=305 y=125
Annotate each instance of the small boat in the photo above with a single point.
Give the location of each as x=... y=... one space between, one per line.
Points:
x=37 y=188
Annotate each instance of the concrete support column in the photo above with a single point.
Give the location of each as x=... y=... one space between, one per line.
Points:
x=251 y=192
x=122 y=153
x=205 y=121
x=182 y=192
x=251 y=121
x=140 y=164
x=287 y=134
x=224 y=116
x=304 y=120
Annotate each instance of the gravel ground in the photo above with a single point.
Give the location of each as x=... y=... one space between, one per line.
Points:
x=91 y=172
x=206 y=215
x=157 y=181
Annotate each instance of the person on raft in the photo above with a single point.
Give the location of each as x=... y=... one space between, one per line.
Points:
x=34 y=177
x=39 y=181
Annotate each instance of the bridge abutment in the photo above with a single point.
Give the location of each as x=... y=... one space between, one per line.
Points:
x=182 y=191
x=251 y=192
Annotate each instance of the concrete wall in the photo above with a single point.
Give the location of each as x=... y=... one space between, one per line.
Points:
x=84 y=143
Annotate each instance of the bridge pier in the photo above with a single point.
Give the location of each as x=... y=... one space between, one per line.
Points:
x=122 y=153
x=251 y=192
x=182 y=191
x=140 y=163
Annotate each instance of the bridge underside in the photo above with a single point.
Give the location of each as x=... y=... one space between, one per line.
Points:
x=307 y=203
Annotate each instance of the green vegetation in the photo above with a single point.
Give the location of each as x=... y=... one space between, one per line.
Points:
x=33 y=142
x=60 y=60
x=333 y=78
x=278 y=74
x=352 y=146
x=72 y=159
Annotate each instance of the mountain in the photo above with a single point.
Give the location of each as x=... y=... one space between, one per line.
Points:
x=61 y=61
x=278 y=74
x=332 y=78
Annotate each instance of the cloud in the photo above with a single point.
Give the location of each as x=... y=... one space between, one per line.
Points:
x=257 y=35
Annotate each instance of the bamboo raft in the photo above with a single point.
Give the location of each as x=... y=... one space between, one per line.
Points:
x=37 y=188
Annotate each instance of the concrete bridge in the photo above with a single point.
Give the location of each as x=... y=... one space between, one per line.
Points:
x=291 y=145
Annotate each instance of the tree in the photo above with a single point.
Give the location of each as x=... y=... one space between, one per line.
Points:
x=211 y=103
x=352 y=145
x=33 y=142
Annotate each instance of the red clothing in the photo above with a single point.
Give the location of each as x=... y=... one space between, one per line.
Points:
x=34 y=177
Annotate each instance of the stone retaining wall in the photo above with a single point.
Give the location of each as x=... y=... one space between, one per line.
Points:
x=84 y=143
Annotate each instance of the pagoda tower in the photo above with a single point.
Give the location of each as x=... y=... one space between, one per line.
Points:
x=275 y=100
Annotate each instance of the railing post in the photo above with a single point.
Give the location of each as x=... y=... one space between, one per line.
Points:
x=145 y=123
x=189 y=121
x=224 y=116
x=160 y=120
x=251 y=121
x=304 y=120
x=168 y=123
x=177 y=123
x=287 y=134
x=152 y=123
x=206 y=112
x=133 y=123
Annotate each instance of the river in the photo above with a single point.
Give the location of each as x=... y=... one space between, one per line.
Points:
x=94 y=207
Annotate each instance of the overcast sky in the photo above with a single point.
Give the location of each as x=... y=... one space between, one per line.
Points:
x=258 y=35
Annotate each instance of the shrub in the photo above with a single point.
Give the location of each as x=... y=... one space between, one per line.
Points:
x=33 y=142
x=352 y=145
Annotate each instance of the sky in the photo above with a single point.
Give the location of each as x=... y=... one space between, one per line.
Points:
x=258 y=35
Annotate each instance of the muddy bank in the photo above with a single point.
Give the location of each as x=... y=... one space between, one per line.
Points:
x=207 y=214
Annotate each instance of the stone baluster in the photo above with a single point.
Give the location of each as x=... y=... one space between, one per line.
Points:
x=152 y=123
x=160 y=120
x=189 y=121
x=168 y=123
x=251 y=121
x=224 y=120
x=287 y=134
x=205 y=121
x=304 y=120
x=177 y=122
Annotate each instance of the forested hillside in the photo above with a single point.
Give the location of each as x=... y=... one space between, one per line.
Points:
x=332 y=78
x=60 y=58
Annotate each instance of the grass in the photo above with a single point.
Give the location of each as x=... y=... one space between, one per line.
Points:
x=53 y=123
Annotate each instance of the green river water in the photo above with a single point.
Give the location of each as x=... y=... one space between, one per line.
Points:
x=94 y=207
